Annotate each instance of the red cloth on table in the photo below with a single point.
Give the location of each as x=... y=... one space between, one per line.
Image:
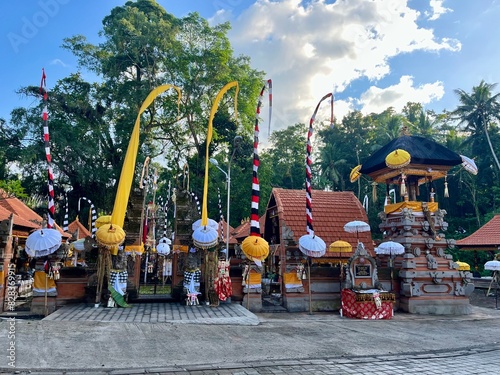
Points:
x=364 y=309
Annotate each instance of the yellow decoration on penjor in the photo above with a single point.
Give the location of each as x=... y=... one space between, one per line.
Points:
x=203 y=236
x=127 y=174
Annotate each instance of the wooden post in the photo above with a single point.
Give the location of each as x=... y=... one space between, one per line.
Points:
x=309 y=280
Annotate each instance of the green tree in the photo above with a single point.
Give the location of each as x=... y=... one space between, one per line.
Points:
x=287 y=155
x=477 y=111
x=143 y=47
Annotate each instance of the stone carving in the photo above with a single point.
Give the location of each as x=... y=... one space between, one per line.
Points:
x=437 y=277
x=416 y=289
x=439 y=218
x=408 y=214
x=432 y=264
x=459 y=289
x=286 y=233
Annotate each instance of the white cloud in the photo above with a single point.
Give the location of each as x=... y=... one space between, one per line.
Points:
x=59 y=62
x=437 y=9
x=310 y=51
x=376 y=100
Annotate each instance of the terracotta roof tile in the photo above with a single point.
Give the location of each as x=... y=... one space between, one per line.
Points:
x=18 y=221
x=243 y=230
x=330 y=211
x=77 y=226
x=486 y=236
x=17 y=207
x=22 y=212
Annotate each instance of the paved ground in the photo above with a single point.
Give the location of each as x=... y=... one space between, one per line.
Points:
x=175 y=339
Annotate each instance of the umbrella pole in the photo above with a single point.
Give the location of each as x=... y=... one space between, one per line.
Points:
x=392 y=275
x=100 y=278
x=309 y=281
x=248 y=286
x=491 y=283
x=46 y=303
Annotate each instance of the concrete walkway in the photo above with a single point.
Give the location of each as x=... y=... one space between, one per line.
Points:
x=157 y=338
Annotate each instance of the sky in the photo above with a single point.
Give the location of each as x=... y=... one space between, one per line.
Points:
x=371 y=54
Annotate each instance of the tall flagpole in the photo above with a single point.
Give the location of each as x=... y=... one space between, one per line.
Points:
x=46 y=138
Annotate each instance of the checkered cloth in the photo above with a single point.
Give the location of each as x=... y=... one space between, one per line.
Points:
x=192 y=275
x=122 y=277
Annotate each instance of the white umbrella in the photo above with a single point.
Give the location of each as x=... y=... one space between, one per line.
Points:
x=357 y=226
x=43 y=242
x=211 y=223
x=163 y=247
x=312 y=246
x=492 y=265
x=78 y=245
x=166 y=240
x=205 y=237
x=390 y=248
x=315 y=247
x=469 y=165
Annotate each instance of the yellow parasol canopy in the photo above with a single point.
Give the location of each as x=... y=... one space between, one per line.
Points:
x=255 y=248
x=110 y=236
x=355 y=175
x=398 y=158
x=462 y=266
x=340 y=247
x=101 y=220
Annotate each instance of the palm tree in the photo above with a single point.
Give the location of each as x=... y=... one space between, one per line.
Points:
x=477 y=110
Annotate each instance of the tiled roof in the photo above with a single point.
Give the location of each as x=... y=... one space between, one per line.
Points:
x=331 y=210
x=23 y=214
x=243 y=230
x=223 y=225
x=17 y=207
x=77 y=226
x=488 y=236
x=18 y=221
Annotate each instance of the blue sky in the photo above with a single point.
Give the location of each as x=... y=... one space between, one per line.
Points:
x=371 y=53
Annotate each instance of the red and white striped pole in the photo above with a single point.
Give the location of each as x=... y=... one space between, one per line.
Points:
x=46 y=138
x=310 y=229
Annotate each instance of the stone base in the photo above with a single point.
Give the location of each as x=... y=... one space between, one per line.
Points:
x=320 y=302
x=254 y=304
x=433 y=306
x=38 y=306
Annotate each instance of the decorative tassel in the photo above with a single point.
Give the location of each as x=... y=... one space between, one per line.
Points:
x=446 y=193
x=374 y=192
x=403 y=185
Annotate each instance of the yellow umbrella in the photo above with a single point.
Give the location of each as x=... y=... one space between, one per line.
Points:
x=101 y=220
x=340 y=247
x=355 y=175
x=110 y=236
x=398 y=158
x=255 y=248
x=462 y=266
